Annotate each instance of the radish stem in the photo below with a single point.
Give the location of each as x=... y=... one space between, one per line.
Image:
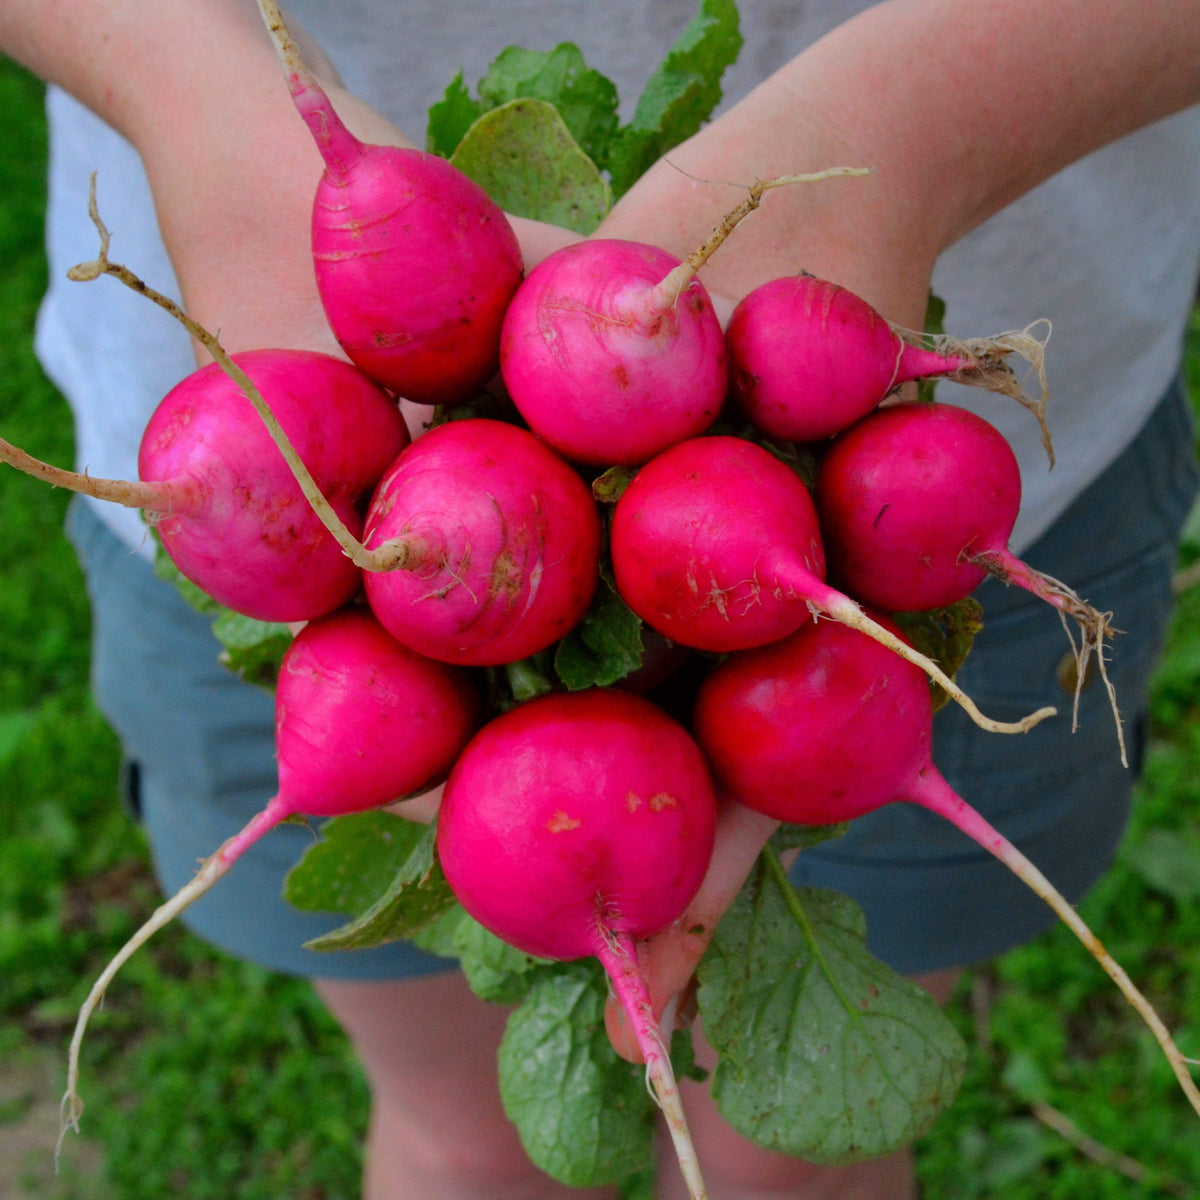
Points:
x=212 y=869
x=785 y=568
x=164 y=498
x=385 y=557
x=618 y=956
x=669 y=290
x=934 y=793
x=338 y=146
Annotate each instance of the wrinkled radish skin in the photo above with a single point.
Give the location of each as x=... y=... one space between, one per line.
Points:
x=416 y=292
x=503 y=541
x=415 y=263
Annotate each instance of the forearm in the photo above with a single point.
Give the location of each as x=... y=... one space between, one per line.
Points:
x=195 y=88
x=957 y=106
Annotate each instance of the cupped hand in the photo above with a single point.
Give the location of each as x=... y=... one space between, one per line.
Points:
x=670 y=958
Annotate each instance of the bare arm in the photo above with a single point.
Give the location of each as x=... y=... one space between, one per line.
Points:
x=958 y=106
x=195 y=86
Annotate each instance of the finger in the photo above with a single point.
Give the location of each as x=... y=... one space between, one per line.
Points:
x=669 y=958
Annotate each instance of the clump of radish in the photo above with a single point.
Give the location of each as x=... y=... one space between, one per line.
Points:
x=808 y=357
x=496 y=541
x=917 y=503
x=415 y=263
x=361 y=722
x=715 y=544
x=226 y=505
x=826 y=725
x=575 y=825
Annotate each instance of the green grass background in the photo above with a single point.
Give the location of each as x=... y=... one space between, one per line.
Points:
x=206 y=1078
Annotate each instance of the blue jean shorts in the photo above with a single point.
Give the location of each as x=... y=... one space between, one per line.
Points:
x=199 y=744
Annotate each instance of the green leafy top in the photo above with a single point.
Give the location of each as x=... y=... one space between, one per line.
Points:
x=679 y=97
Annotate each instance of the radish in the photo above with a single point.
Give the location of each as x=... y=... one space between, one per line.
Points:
x=225 y=503
x=715 y=544
x=609 y=357
x=497 y=541
x=807 y=358
x=361 y=722
x=826 y=725
x=415 y=263
x=575 y=825
x=917 y=504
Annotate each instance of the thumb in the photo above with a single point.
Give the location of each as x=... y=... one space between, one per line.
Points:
x=669 y=958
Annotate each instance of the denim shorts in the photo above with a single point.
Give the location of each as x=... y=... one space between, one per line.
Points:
x=200 y=743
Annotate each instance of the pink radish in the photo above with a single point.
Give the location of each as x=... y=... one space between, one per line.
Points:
x=575 y=825
x=497 y=540
x=917 y=503
x=807 y=358
x=415 y=263
x=361 y=722
x=826 y=725
x=715 y=544
x=226 y=505
x=610 y=356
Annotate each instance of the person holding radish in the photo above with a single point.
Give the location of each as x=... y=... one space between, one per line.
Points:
x=1027 y=158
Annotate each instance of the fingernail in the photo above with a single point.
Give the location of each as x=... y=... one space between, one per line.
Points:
x=666 y=1023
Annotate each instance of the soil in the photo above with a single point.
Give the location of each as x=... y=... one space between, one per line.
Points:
x=28 y=1134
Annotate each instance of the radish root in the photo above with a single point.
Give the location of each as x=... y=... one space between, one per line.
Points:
x=211 y=870
x=849 y=613
x=986 y=365
x=784 y=568
x=1094 y=626
x=618 y=956
x=153 y=497
x=936 y=795
x=673 y=285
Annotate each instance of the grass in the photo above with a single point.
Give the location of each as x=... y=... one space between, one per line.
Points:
x=209 y=1078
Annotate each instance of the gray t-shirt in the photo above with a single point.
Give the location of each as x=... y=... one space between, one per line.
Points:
x=1107 y=250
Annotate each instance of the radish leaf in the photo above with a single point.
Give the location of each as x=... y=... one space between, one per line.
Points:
x=585 y=99
x=583 y=1114
x=451 y=117
x=604 y=647
x=406 y=892
x=524 y=157
x=496 y=971
x=352 y=863
x=825 y=1052
x=680 y=96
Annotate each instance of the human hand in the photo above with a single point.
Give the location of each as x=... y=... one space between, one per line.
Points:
x=670 y=958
